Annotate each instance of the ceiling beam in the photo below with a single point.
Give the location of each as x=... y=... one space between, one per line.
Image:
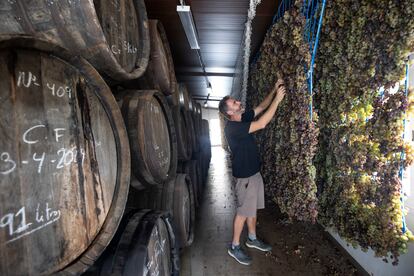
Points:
x=205 y=99
x=201 y=74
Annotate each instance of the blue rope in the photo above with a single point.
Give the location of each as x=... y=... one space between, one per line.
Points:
x=314 y=48
x=401 y=172
x=314 y=23
x=309 y=10
x=283 y=7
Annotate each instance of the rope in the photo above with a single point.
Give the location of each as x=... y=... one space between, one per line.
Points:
x=401 y=172
x=309 y=10
x=314 y=48
x=250 y=16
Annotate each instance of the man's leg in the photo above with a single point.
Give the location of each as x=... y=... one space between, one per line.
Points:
x=238 y=228
x=251 y=226
x=236 y=251
x=253 y=241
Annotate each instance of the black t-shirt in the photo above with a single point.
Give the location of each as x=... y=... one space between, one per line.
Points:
x=245 y=156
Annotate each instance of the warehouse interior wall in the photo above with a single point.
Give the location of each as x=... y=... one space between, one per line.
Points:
x=375 y=266
x=212 y=115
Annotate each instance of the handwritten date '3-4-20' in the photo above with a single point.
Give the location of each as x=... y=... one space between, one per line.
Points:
x=59 y=159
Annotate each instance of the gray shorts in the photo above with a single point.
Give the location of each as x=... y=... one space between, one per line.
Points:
x=249 y=195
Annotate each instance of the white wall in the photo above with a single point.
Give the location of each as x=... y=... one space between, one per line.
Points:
x=210 y=113
x=376 y=266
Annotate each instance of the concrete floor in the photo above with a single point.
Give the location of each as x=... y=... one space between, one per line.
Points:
x=213 y=233
x=208 y=254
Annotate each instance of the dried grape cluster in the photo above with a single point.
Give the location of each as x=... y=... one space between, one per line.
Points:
x=355 y=148
x=288 y=143
x=362 y=48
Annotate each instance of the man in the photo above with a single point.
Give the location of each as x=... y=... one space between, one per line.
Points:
x=246 y=165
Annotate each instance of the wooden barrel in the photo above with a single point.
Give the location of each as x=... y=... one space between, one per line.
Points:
x=192 y=132
x=205 y=145
x=190 y=168
x=112 y=35
x=184 y=210
x=151 y=134
x=147 y=246
x=177 y=198
x=196 y=115
x=161 y=64
x=184 y=145
x=184 y=97
x=192 y=104
x=197 y=108
x=64 y=160
x=200 y=176
x=202 y=172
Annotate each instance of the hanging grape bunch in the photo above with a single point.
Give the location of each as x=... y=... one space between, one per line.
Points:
x=363 y=45
x=288 y=143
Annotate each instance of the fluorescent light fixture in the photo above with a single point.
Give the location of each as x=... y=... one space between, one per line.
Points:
x=189 y=27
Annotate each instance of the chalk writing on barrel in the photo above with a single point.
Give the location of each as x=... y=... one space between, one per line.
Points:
x=19 y=224
x=65 y=156
x=26 y=133
x=59 y=91
x=58 y=134
x=153 y=264
x=10 y=164
x=125 y=46
x=27 y=79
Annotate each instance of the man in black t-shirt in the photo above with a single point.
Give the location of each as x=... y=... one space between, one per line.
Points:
x=246 y=165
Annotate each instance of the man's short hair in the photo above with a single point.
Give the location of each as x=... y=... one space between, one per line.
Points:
x=223 y=107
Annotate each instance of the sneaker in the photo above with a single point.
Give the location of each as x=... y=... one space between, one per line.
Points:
x=240 y=256
x=258 y=244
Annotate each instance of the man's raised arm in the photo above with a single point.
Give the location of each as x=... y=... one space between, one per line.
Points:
x=268 y=99
x=270 y=112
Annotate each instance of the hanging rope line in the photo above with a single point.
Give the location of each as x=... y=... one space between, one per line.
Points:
x=248 y=33
x=312 y=21
x=313 y=10
x=401 y=172
x=283 y=7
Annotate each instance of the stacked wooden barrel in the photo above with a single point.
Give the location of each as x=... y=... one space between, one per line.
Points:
x=64 y=160
x=145 y=245
x=90 y=169
x=151 y=134
x=112 y=35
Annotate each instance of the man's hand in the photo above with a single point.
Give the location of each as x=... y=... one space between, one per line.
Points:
x=281 y=91
x=270 y=112
x=279 y=83
x=269 y=98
